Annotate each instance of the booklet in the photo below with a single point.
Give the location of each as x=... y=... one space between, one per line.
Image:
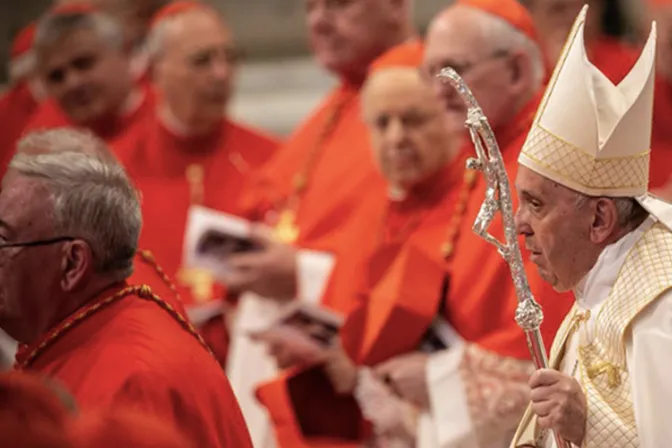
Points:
x=212 y=236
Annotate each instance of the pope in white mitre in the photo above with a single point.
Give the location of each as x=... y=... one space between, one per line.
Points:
x=592 y=227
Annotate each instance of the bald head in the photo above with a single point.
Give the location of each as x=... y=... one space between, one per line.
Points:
x=502 y=65
x=393 y=80
x=194 y=61
x=406 y=125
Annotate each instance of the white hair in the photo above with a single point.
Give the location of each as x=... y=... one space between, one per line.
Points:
x=155 y=41
x=503 y=36
x=629 y=212
x=54 y=26
x=92 y=199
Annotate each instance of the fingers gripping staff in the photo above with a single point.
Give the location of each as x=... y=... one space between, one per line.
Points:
x=489 y=161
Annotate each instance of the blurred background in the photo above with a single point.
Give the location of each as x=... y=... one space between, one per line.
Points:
x=278 y=82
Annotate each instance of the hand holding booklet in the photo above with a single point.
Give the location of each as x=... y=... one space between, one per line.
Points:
x=303 y=329
x=212 y=236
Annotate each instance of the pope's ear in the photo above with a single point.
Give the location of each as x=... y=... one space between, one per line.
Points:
x=77 y=264
x=605 y=220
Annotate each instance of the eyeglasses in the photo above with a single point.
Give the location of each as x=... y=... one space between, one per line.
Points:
x=462 y=68
x=47 y=242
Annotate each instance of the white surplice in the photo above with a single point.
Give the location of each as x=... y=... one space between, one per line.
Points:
x=502 y=384
x=648 y=343
x=249 y=363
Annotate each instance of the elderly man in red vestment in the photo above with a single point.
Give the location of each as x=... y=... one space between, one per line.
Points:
x=146 y=270
x=309 y=191
x=191 y=153
x=401 y=293
x=83 y=64
x=76 y=220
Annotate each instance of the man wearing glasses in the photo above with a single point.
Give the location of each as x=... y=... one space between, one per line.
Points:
x=69 y=225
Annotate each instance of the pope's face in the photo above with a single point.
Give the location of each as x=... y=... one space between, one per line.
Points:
x=196 y=68
x=27 y=274
x=407 y=126
x=556 y=229
x=346 y=35
x=86 y=76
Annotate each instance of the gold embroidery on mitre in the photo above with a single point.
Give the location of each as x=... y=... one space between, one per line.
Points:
x=610 y=165
x=575 y=168
x=644 y=277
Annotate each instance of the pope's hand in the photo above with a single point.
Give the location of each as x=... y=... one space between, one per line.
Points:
x=406 y=375
x=269 y=271
x=559 y=403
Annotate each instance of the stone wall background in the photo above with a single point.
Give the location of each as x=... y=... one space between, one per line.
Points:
x=263 y=28
x=276 y=27
x=278 y=83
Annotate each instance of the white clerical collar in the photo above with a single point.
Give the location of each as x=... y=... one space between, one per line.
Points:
x=595 y=286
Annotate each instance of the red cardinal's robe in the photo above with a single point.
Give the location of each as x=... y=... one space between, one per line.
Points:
x=126 y=348
x=174 y=172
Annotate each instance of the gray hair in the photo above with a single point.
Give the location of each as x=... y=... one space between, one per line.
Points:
x=58 y=140
x=54 y=26
x=503 y=36
x=155 y=40
x=93 y=200
x=629 y=212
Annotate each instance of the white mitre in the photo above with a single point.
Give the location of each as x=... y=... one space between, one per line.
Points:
x=593 y=136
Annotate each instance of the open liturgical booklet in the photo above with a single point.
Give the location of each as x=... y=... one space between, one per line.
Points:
x=211 y=236
x=313 y=328
x=309 y=328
